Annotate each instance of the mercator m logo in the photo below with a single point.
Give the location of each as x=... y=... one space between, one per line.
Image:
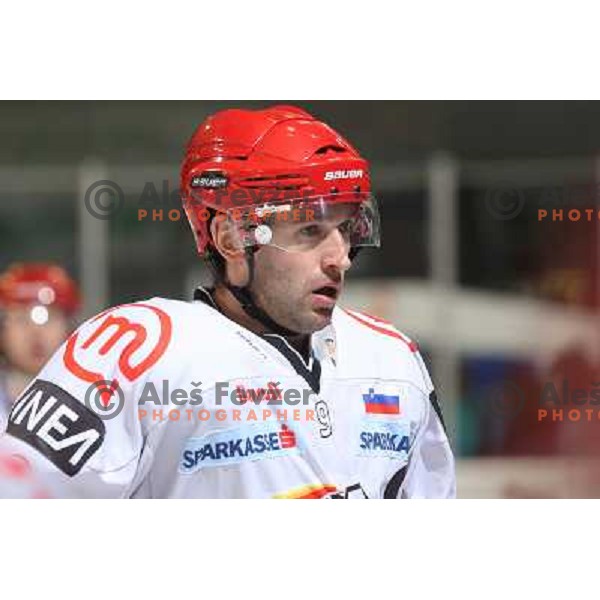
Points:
x=129 y=322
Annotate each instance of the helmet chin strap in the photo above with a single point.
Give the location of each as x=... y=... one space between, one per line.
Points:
x=244 y=296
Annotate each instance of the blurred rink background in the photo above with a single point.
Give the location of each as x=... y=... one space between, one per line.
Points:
x=501 y=302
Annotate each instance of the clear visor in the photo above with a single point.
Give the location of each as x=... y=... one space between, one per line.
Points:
x=302 y=225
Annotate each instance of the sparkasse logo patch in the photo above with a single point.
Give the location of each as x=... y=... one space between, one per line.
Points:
x=236 y=445
x=384 y=438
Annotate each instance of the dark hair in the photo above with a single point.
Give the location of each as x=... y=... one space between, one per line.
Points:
x=216 y=263
x=212 y=256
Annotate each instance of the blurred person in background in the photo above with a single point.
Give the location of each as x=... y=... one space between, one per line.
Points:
x=37 y=304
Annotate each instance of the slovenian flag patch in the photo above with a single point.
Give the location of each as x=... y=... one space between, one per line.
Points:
x=380 y=404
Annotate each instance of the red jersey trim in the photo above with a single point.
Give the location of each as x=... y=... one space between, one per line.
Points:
x=413 y=346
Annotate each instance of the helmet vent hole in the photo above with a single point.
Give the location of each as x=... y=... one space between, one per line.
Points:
x=330 y=149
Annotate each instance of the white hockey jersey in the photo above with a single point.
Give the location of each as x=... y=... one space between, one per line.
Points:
x=193 y=405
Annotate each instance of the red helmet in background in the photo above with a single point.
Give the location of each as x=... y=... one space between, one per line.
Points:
x=42 y=284
x=235 y=156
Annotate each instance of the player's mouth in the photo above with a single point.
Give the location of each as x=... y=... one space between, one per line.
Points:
x=325 y=296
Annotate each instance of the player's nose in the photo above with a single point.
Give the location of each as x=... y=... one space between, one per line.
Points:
x=336 y=252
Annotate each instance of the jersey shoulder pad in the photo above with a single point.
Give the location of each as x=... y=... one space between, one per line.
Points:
x=386 y=346
x=376 y=328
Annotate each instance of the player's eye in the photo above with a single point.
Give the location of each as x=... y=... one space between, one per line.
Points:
x=310 y=231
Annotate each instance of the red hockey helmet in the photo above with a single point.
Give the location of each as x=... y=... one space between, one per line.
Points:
x=38 y=283
x=240 y=160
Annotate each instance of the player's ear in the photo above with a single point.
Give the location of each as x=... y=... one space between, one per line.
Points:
x=228 y=244
x=226 y=238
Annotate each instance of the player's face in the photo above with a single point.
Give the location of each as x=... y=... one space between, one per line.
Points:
x=30 y=335
x=299 y=289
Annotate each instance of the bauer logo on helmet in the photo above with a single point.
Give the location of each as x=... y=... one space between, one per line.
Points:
x=350 y=174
